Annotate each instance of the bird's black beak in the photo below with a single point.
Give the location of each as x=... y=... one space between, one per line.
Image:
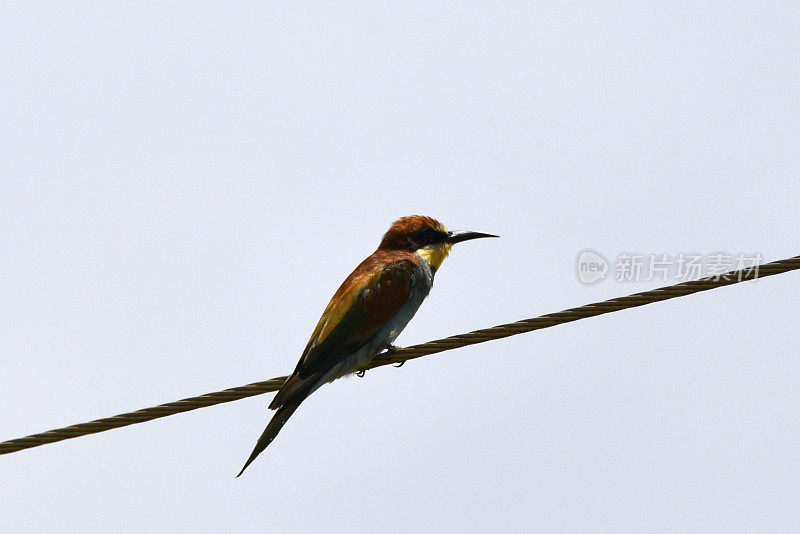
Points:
x=458 y=237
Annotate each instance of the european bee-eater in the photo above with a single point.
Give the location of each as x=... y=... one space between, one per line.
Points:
x=367 y=313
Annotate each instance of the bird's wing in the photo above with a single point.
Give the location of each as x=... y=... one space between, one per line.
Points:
x=356 y=313
x=369 y=298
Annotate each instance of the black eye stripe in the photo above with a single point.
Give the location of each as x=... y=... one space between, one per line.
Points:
x=428 y=236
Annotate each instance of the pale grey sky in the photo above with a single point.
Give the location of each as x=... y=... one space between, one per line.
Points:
x=184 y=186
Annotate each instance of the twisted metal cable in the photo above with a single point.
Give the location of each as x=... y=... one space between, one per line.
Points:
x=412 y=352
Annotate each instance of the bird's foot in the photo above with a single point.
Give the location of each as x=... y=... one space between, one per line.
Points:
x=361 y=373
x=388 y=349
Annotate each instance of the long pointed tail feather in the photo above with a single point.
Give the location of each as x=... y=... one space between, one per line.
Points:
x=293 y=392
x=275 y=424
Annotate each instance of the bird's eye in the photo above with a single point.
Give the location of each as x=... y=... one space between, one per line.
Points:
x=428 y=236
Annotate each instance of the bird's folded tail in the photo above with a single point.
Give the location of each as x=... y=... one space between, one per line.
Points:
x=275 y=424
x=293 y=392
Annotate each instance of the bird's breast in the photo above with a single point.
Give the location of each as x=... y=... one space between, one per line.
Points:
x=421 y=283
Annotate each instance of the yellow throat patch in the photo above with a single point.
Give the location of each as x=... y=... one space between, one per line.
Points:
x=434 y=255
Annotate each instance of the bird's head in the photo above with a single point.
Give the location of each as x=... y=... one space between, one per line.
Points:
x=424 y=236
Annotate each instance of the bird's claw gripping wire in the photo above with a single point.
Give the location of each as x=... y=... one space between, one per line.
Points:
x=388 y=350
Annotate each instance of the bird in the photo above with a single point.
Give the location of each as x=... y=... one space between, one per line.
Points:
x=368 y=311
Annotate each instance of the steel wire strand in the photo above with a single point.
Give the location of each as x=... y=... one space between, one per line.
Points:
x=408 y=353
